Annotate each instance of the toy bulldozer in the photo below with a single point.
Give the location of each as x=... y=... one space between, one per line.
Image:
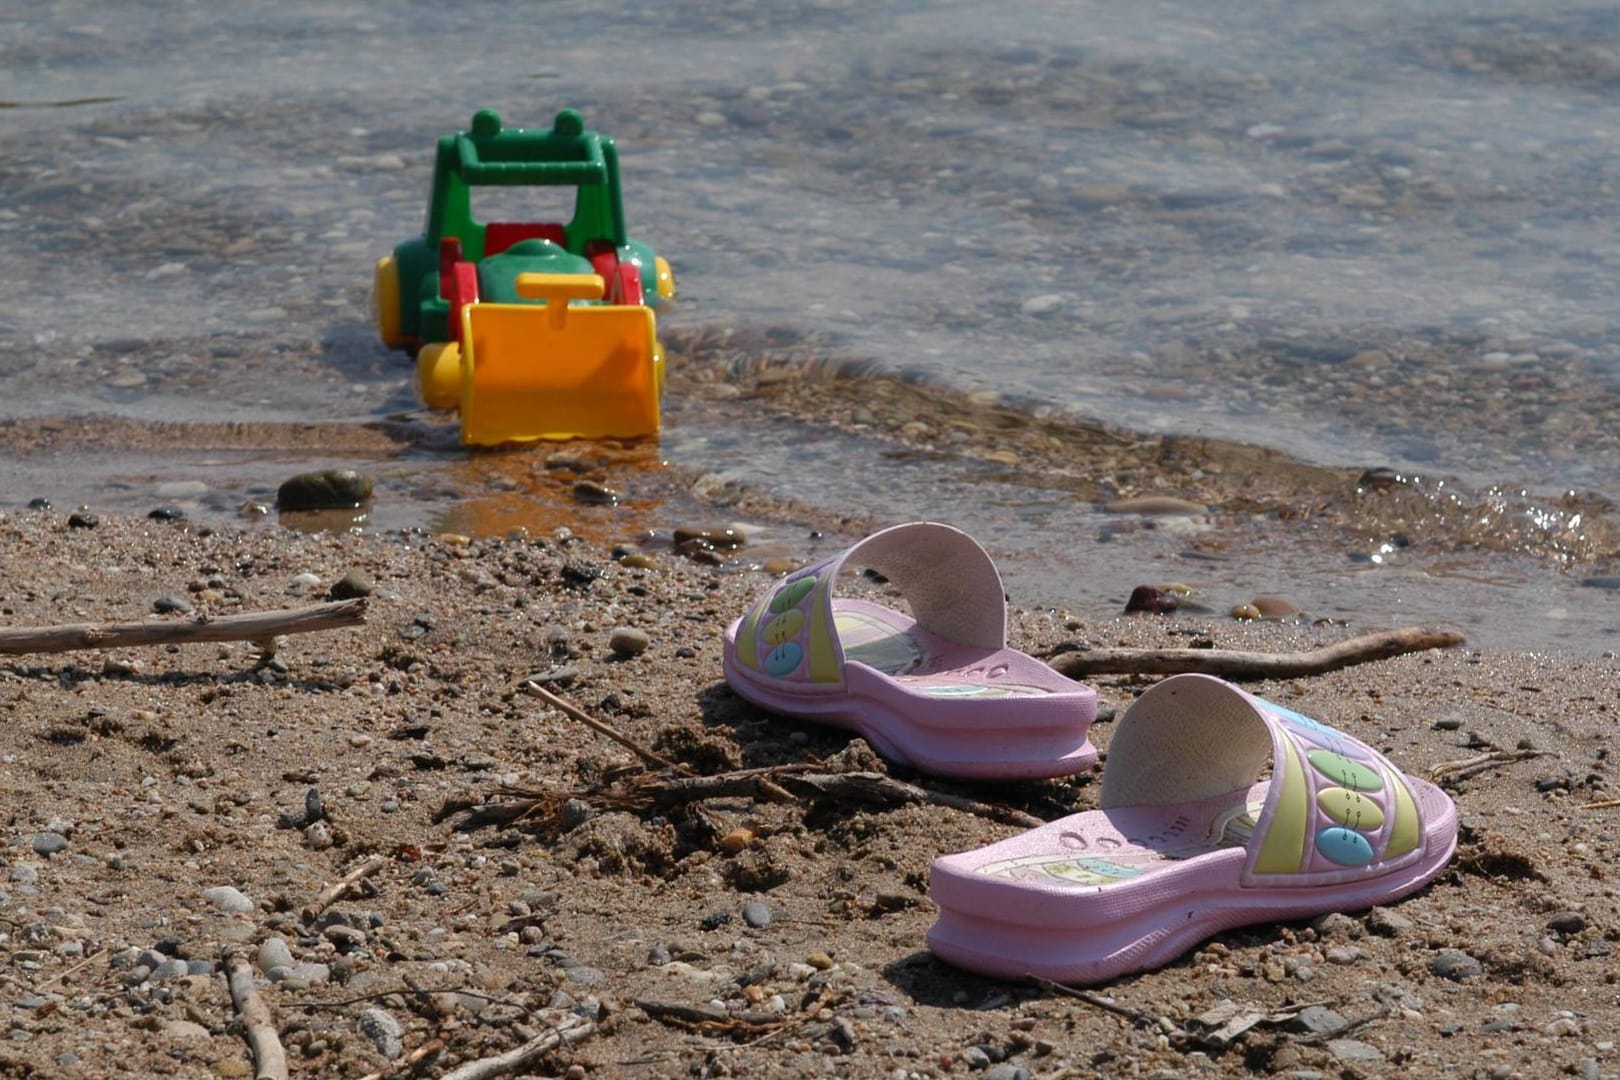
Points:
x=530 y=330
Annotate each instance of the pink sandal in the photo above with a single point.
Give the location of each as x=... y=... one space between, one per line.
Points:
x=1188 y=843
x=942 y=692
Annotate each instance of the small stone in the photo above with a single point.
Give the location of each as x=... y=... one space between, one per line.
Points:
x=304 y=973
x=1567 y=922
x=975 y=1059
x=318 y=836
x=1336 y=924
x=1007 y=1071
x=1343 y=954
x=1354 y=1050
x=628 y=641
x=274 y=953
x=326 y=489
x=712 y=537
x=1152 y=600
x=166 y=513
x=819 y=960
x=1044 y=304
x=736 y=840
x=228 y=899
x=756 y=914
x=1456 y=966
x=594 y=494
x=351 y=586
x=384 y=1032
x=186 y=1031
x=82 y=520
x=49 y=843
x=1317 y=1020
x=1387 y=923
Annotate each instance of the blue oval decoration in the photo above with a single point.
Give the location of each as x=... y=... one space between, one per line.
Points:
x=784 y=659
x=1344 y=846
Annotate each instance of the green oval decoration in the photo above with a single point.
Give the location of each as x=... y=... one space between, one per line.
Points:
x=1344 y=772
x=1350 y=809
x=790 y=595
x=785 y=627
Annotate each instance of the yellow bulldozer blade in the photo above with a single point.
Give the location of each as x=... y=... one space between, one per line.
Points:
x=558 y=372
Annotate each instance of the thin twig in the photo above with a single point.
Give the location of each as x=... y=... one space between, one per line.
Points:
x=1601 y=804
x=570 y=1029
x=569 y=709
x=335 y=892
x=1452 y=771
x=1242 y=664
x=1135 y=1016
x=427 y=1049
x=86 y=962
x=259 y=1027
x=257 y=626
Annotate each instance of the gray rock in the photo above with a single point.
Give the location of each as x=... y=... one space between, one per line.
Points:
x=171 y=968
x=151 y=958
x=186 y=1030
x=1456 y=966
x=1387 y=923
x=327 y=489
x=169 y=604
x=1567 y=922
x=756 y=914
x=1317 y=1020
x=49 y=843
x=1354 y=1050
x=274 y=953
x=351 y=586
x=975 y=1059
x=1007 y=1071
x=381 y=1030
x=25 y=873
x=301 y=973
x=228 y=899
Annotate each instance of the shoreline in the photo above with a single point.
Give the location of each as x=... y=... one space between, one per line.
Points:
x=164 y=773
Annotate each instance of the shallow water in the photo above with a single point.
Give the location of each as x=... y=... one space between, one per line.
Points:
x=1369 y=236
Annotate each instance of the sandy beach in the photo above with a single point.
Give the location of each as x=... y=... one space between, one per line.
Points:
x=169 y=806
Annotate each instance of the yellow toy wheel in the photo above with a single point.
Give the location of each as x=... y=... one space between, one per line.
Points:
x=385 y=303
x=438 y=375
x=666 y=278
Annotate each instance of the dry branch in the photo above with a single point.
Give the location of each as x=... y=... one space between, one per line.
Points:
x=426 y=1050
x=1449 y=772
x=870 y=789
x=258 y=626
x=269 y=1059
x=569 y=1029
x=569 y=709
x=1243 y=664
x=334 y=893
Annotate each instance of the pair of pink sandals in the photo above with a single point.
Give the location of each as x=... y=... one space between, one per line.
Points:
x=1218 y=808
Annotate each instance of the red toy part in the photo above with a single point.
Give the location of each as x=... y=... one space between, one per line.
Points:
x=458 y=280
x=500 y=235
x=623 y=280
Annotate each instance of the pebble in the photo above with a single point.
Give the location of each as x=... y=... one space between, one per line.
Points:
x=384 y=1032
x=48 y=844
x=1456 y=966
x=228 y=899
x=718 y=537
x=318 y=836
x=1044 y=304
x=1318 y=1020
x=1007 y=1071
x=300 y=973
x=82 y=520
x=592 y=493
x=1344 y=954
x=1387 y=923
x=187 y=1030
x=274 y=953
x=171 y=605
x=736 y=840
x=351 y=586
x=326 y=489
x=1567 y=922
x=628 y=641
x=756 y=914
x=1354 y=1050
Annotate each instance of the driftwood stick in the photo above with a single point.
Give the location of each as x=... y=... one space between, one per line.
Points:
x=335 y=892
x=1448 y=772
x=569 y=709
x=258 y=626
x=269 y=1059
x=569 y=1029
x=1242 y=664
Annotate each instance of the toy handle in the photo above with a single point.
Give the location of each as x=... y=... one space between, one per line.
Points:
x=558 y=289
